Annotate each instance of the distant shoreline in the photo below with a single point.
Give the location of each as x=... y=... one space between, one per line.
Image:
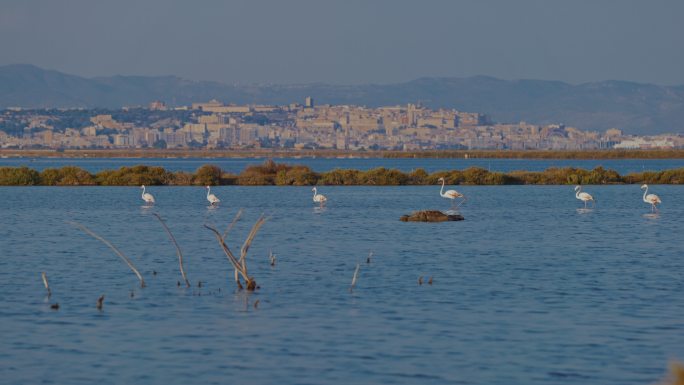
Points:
x=280 y=153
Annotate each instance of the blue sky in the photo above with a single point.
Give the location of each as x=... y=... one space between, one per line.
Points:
x=351 y=41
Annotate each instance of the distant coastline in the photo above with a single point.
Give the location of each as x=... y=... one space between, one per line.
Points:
x=268 y=153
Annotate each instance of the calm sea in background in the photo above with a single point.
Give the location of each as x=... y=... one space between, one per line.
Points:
x=236 y=165
x=527 y=290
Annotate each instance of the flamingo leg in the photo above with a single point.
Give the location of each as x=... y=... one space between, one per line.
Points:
x=461 y=202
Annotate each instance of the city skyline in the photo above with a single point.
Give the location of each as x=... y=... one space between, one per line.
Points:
x=349 y=43
x=216 y=125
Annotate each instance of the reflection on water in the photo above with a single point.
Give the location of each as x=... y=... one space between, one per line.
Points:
x=525 y=291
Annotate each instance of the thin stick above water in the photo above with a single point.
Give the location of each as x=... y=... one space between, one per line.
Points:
x=117 y=251
x=230 y=227
x=45 y=282
x=356 y=274
x=178 y=250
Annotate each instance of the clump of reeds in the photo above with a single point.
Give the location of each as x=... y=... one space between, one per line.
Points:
x=111 y=246
x=239 y=264
x=178 y=249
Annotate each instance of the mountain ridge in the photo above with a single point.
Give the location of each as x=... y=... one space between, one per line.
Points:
x=637 y=108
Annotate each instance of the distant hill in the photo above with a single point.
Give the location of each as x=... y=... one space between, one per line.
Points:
x=636 y=108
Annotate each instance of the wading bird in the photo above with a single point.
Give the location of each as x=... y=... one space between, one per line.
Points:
x=451 y=194
x=651 y=199
x=318 y=198
x=147 y=197
x=585 y=197
x=211 y=197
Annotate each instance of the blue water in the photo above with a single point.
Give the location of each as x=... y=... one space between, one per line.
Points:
x=527 y=290
x=236 y=165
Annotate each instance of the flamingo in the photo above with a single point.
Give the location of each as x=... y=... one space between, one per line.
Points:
x=584 y=196
x=211 y=197
x=147 y=197
x=451 y=194
x=318 y=198
x=652 y=199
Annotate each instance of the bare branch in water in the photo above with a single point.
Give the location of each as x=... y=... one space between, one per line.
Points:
x=45 y=282
x=230 y=227
x=117 y=251
x=240 y=265
x=249 y=239
x=229 y=254
x=178 y=250
x=356 y=274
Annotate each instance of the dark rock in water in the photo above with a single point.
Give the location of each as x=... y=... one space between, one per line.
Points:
x=431 y=216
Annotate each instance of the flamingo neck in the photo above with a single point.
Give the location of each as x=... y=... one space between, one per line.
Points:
x=441 y=191
x=645 y=192
x=577 y=193
x=314 y=191
x=143 y=193
x=208 y=191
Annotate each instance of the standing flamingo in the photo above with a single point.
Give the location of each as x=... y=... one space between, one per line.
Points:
x=147 y=197
x=211 y=197
x=318 y=198
x=652 y=199
x=451 y=194
x=584 y=196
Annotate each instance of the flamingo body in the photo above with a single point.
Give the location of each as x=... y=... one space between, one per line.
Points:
x=318 y=198
x=147 y=197
x=651 y=199
x=451 y=194
x=583 y=196
x=213 y=199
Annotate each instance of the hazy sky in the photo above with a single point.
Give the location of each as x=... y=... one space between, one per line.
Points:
x=349 y=41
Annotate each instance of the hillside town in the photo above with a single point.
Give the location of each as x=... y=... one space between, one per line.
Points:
x=215 y=125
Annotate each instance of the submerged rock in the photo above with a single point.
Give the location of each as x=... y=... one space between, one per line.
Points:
x=431 y=216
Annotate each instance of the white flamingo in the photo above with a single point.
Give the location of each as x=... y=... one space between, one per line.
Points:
x=318 y=198
x=585 y=197
x=651 y=199
x=451 y=194
x=147 y=197
x=211 y=197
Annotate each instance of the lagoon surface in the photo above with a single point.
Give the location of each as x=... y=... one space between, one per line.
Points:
x=236 y=165
x=527 y=290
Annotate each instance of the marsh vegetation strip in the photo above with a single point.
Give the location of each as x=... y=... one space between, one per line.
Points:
x=270 y=172
x=526 y=290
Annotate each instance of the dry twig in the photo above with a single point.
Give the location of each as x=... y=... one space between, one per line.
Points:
x=45 y=282
x=117 y=251
x=356 y=274
x=178 y=250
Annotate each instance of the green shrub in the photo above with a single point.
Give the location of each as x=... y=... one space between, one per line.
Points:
x=207 y=175
x=66 y=176
x=296 y=176
x=341 y=177
x=135 y=176
x=18 y=176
